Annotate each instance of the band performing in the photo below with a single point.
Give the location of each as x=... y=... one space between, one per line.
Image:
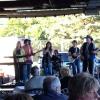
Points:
x=51 y=60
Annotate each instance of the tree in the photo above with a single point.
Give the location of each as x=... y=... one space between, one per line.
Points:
x=55 y=29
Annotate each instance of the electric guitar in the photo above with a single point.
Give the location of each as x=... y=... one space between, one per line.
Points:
x=71 y=59
x=95 y=52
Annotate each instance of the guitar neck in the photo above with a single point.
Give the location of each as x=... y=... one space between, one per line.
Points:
x=21 y=56
x=97 y=50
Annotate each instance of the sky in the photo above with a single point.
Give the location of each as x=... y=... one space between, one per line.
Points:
x=3 y=22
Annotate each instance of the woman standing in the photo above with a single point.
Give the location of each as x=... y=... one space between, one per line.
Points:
x=46 y=61
x=18 y=61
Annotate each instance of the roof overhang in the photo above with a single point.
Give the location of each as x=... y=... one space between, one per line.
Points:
x=41 y=8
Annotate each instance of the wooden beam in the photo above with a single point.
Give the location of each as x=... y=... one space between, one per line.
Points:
x=41 y=13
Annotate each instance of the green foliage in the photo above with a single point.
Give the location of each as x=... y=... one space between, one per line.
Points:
x=55 y=29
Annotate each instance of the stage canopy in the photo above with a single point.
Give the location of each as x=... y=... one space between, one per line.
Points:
x=41 y=8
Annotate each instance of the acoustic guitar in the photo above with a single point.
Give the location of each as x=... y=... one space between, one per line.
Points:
x=21 y=56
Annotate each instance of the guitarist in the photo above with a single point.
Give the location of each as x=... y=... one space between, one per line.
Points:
x=88 y=52
x=74 y=53
x=28 y=59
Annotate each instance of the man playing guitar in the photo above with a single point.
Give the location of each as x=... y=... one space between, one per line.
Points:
x=88 y=52
x=74 y=53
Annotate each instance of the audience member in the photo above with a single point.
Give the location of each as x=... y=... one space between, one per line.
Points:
x=36 y=82
x=83 y=87
x=52 y=89
x=65 y=77
x=19 y=97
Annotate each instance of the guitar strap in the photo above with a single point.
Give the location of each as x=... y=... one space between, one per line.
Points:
x=76 y=50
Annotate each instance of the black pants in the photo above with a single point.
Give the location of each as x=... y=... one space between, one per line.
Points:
x=88 y=63
x=56 y=67
x=18 y=71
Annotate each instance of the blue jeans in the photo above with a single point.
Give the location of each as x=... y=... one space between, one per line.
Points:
x=76 y=66
x=26 y=72
x=47 y=68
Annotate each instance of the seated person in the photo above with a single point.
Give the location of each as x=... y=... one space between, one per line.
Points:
x=65 y=77
x=18 y=97
x=52 y=90
x=36 y=82
x=56 y=61
x=83 y=87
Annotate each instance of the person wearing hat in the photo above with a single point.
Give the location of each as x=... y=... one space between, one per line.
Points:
x=88 y=54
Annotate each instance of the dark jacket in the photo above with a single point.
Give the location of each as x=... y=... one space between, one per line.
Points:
x=89 y=52
x=51 y=96
x=64 y=82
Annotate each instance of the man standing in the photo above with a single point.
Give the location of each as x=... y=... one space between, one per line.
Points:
x=28 y=59
x=74 y=53
x=88 y=54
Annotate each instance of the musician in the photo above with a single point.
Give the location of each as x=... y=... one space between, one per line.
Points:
x=56 y=62
x=74 y=53
x=18 y=62
x=28 y=59
x=46 y=61
x=88 y=54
